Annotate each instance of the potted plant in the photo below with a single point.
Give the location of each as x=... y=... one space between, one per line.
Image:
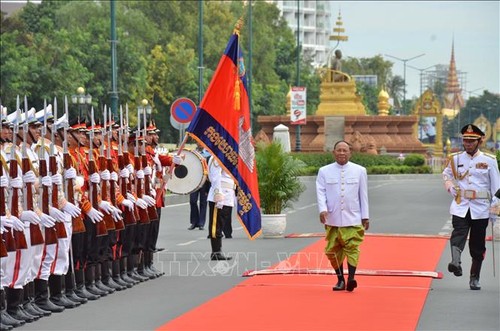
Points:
x=279 y=185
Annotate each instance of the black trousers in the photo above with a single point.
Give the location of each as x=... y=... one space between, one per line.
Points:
x=154 y=230
x=78 y=249
x=218 y=219
x=95 y=246
x=477 y=236
x=197 y=216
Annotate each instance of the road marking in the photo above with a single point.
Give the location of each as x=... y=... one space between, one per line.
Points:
x=187 y=243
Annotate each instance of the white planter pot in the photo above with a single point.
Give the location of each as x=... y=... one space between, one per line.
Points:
x=273 y=226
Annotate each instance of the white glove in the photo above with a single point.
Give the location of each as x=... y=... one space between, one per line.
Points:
x=2 y=229
x=95 y=215
x=95 y=178
x=147 y=171
x=130 y=168
x=47 y=181
x=57 y=214
x=71 y=209
x=4 y=182
x=141 y=204
x=139 y=174
x=131 y=197
x=30 y=216
x=453 y=191
x=177 y=159
x=117 y=214
x=114 y=176
x=153 y=193
x=128 y=204
x=219 y=205
x=70 y=173
x=57 y=179
x=124 y=173
x=156 y=159
x=16 y=182
x=29 y=177
x=218 y=197
x=48 y=221
x=105 y=175
x=12 y=222
x=106 y=206
x=150 y=201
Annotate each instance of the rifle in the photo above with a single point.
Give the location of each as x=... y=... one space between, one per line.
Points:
x=143 y=213
x=108 y=218
x=60 y=229
x=50 y=233
x=119 y=224
x=129 y=216
x=152 y=212
x=77 y=222
x=35 y=231
x=101 y=229
x=7 y=243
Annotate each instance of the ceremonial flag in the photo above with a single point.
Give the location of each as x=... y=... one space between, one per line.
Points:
x=222 y=126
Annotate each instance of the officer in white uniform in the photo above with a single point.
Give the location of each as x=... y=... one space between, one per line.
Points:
x=472 y=178
x=220 y=199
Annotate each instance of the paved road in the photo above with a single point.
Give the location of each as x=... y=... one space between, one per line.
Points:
x=398 y=204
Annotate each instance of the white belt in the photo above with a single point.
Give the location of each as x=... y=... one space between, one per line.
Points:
x=473 y=194
x=231 y=186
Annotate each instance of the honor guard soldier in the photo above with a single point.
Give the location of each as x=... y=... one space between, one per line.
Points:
x=472 y=178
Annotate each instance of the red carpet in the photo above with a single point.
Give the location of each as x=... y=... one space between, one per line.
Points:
x=306 y=301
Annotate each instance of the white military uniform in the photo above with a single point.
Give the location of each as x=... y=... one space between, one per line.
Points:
x=478 y=179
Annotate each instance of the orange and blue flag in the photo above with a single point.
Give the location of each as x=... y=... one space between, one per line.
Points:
x=222 y=125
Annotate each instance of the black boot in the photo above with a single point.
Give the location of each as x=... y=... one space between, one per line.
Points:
x=4 y=316
x=475 y=270
x=57 y=295
x=28 y=303
x=351 y=282
x=217 y=255
x=81 y=289
x=124 y=263
x=142 y=266
x=42 y=297
x=98 y=279
x=31 y=289
x=116 y=275
x=14 y=305
x=455 y=265
x=69 y=288
x=107 y=279
x=90 y=276
x=132 y=264
x=152 y=268
x=340 y=286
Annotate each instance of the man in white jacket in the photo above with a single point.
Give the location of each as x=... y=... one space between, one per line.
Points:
x=342 y=194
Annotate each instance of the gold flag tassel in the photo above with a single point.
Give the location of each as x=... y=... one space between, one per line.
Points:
x=237 y=92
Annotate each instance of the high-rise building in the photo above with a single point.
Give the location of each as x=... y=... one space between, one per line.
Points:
x=314 y=26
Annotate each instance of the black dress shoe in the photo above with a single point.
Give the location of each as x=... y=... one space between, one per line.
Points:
x=474 y=283
x=9 y=320
x=219 y=257
x=340 y=286
x=201 y=228
x=192 y=227
x=455 y=269
x=351 y=285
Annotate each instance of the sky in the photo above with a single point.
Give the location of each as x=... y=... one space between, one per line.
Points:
x=406 y=29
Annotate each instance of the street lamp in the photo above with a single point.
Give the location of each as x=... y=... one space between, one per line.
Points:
x=404 y=72
x=81 y=99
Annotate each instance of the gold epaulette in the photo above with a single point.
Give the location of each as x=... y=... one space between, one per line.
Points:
x=493 y=156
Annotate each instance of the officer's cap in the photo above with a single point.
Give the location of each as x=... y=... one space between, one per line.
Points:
x=470 y=131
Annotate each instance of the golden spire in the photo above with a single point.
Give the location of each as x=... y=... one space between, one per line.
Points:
x=383 y=103
x=339 y=30
x=453 y=99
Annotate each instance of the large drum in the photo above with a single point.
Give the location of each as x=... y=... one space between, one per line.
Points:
x=190 y=175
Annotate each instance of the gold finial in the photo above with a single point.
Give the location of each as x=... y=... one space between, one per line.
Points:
x=238 y=26
x=339 y=30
